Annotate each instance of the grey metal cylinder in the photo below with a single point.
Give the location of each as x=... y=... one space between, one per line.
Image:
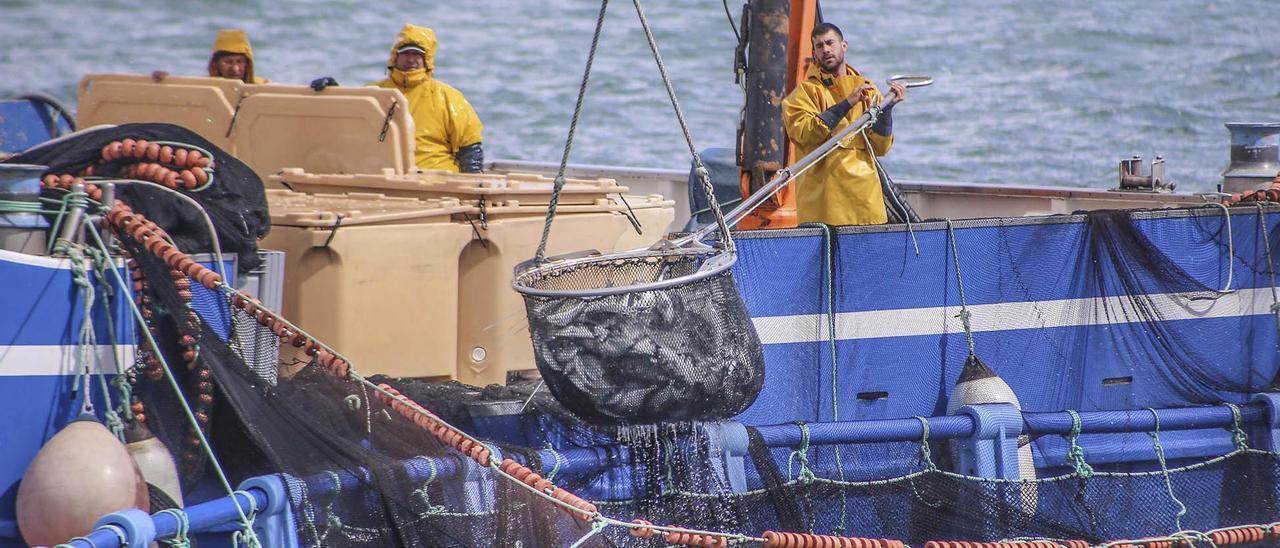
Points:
x=20 y=231
x=1255 y=156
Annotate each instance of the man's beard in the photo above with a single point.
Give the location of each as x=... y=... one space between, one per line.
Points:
x=835 y=64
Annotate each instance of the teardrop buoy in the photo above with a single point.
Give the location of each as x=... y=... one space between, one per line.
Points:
x=80 y=475
x=979 y=384
x=154 y=461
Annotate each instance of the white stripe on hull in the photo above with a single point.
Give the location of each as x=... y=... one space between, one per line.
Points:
x=939 y=320
x=52 y=360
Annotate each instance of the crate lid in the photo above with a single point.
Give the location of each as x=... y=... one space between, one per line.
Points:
x=289 y=208
x=525 y=187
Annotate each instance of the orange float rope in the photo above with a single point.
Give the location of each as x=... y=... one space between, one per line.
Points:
x=1270 y=194
x=1007 y=544
x=776 y=539
x=162 y=163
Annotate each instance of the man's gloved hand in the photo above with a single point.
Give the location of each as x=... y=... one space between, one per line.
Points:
x=323 y=82
x=470 y=158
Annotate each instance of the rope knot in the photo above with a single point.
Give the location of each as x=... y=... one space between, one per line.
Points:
x=800 y=454
x=1075 y=453
x=926 y=454
x=1238 y=437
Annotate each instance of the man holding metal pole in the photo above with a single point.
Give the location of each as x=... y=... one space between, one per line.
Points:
x=844 y=187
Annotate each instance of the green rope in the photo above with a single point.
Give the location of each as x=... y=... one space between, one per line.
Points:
x=424 y=492
x=926 y=454
x=179 y=539
x=668 y=452
x=926 y=458
x=800 y=453
x=14 y=206
x=1238 y=437
x=86 y=339
x=1164 y=470
x=1075 y=453
x=247 y=535
x=81 y=266
x=556 y=468
x=964 y=309
x=124 y=392
x=828 y=257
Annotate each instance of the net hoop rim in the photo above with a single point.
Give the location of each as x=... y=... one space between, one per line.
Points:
x=528 y=268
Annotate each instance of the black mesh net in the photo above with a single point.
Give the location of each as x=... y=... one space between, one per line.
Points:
x=679 y=353
x=361 y=474
x=236 y=202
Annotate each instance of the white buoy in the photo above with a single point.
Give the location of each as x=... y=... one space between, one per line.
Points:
x=979 y=384
x=80 y=475
x=154 y=460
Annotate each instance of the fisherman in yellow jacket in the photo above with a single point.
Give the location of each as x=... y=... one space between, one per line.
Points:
x=843 y=188
x=232 y=58
x=448 y=129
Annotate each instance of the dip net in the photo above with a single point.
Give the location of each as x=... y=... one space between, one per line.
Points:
x=683 y=349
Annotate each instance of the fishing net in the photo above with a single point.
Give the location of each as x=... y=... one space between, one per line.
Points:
x=236 y=203
x=362 y=471
x=643 y=336
x=673 y=353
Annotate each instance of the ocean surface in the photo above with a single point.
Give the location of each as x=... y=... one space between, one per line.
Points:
x=1027 y=92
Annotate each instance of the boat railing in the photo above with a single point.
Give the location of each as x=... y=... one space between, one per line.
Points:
x=977 y=429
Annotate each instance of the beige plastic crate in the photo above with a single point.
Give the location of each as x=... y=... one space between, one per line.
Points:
x=267 y=126
x=525 y=188
x=203 y=105
x=493 y=330
x=375 y=277
x=338 y=130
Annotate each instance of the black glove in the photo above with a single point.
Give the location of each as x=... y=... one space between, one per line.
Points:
x=470 y=159
x=323 y=82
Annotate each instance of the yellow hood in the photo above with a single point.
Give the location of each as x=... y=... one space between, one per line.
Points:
x=233 y=41
x=422 y=37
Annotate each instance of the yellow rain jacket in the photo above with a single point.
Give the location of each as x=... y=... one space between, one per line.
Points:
x=236 y=41
x=844 y=187
x=444 y=120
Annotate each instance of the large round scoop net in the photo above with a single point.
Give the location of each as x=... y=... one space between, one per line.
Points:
x=644 y=336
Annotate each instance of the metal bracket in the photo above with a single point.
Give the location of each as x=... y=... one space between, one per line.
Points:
x=992 y=451
x=1267 y=436
x=728 y=442
x=274 y=523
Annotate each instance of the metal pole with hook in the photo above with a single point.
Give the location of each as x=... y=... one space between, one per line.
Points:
x=789 y=173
